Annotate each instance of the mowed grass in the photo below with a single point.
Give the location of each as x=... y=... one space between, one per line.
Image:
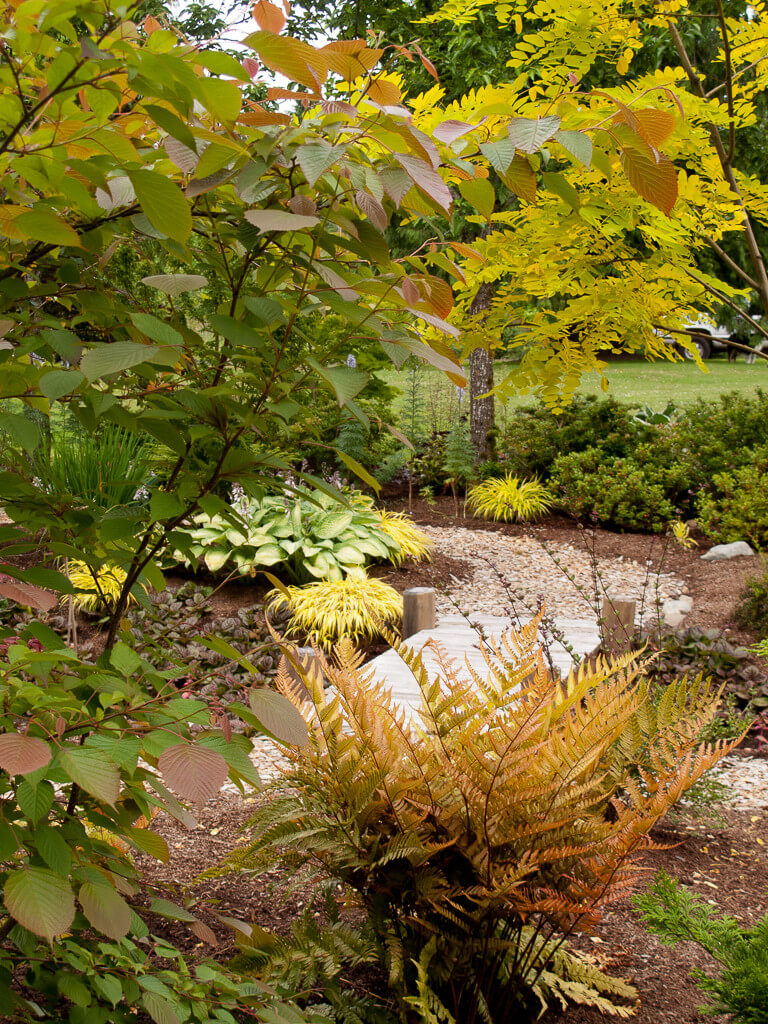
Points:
x=635 y=381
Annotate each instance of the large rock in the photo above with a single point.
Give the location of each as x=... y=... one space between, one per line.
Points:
x=739 y=549
x=673 y=612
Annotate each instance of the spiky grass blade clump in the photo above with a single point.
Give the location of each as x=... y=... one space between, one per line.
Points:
x=412 y=542
x=357 y=607
x=99 y=588
x=509 y=498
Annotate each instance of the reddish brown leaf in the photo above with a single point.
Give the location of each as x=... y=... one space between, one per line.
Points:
x=655 y=126
x=151 y=25
x=372 y=209
x=429 y=67
x=385 y=93
x=305 y=206
x=195 y=772
x=411 y=293
x=291 y=94
x=26 y=594
x=654 y=181
x=427 y=179
x=252 y=67
x=268 y=17
x=439 y=296
x=450 y=130
x=20 y=755
x=204 y=933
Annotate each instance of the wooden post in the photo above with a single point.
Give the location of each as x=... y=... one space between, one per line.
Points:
x=617 y=623
x=309 y=663
x=418 y=610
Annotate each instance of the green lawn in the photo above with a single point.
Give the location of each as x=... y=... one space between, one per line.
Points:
x=653 y=384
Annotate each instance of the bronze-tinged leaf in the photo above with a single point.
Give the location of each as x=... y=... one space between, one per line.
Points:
x=21 y=755
x=204 y=933
x=384 y=92
x=426 y=178
x=151 y=25
x=267 y=16
x=411 y=293
x=290 y=57
x=450 y=130
x=655 y=126
x=105 y=908
x=305 y=206
x=40 y=901
x=252 y=67
x=372 y=209
x=258 y=117
x=439 y=295
x=26 y=594
x=655 y=181
x=291 y=94
x=195 y=772
x=279 y=220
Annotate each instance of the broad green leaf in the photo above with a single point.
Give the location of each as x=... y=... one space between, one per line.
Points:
x=332 y=524
x=150 y=842
x=561 y=187
x=194 y=772
x=279 y=220
x=44 y=225
x=105 y=908
x=91 y=771
x=578 y=144
x=73 y=989
x=54 y=849
x=161 y=1010
x=345 y=381
x=23 y=754
x=529 y=134
x=40 y=901
x=278 y=716
x=157 y=330
x=500 y=153
x=115 y=357
x=163 y=203
x=314 y=158
x=24 y=431
x=109 y=986
x=480 y=194
x=58 y=383
x=171 y=911
x=163 y=505
x=35 y=800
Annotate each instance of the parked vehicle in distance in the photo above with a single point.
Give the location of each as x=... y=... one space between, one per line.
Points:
x=709 y=338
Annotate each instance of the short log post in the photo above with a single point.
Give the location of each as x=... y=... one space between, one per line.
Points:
x=310 y=664
x=617 y=623
x=418 y=610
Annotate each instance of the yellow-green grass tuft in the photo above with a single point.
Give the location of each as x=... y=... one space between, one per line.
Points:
x=413 y=543
x=509 y=498
x=99 y=588
x=357 y=607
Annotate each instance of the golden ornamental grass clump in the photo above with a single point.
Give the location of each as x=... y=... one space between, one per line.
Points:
x=479 y=834
x=357 y=607
x=413 y=543
x=99 y=588
x=510 y=499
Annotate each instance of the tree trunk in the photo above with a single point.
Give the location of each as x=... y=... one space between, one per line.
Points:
x=482 y=411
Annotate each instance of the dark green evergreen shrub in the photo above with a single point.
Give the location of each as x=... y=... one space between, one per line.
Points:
x=740 y=989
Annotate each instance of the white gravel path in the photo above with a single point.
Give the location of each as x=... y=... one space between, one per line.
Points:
x=531 y=572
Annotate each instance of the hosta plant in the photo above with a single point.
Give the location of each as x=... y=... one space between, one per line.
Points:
x=312 y=537
x=357 y=607
x=510 y=499
x=480 y=833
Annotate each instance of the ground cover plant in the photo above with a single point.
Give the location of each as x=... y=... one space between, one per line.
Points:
x=476 y=845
